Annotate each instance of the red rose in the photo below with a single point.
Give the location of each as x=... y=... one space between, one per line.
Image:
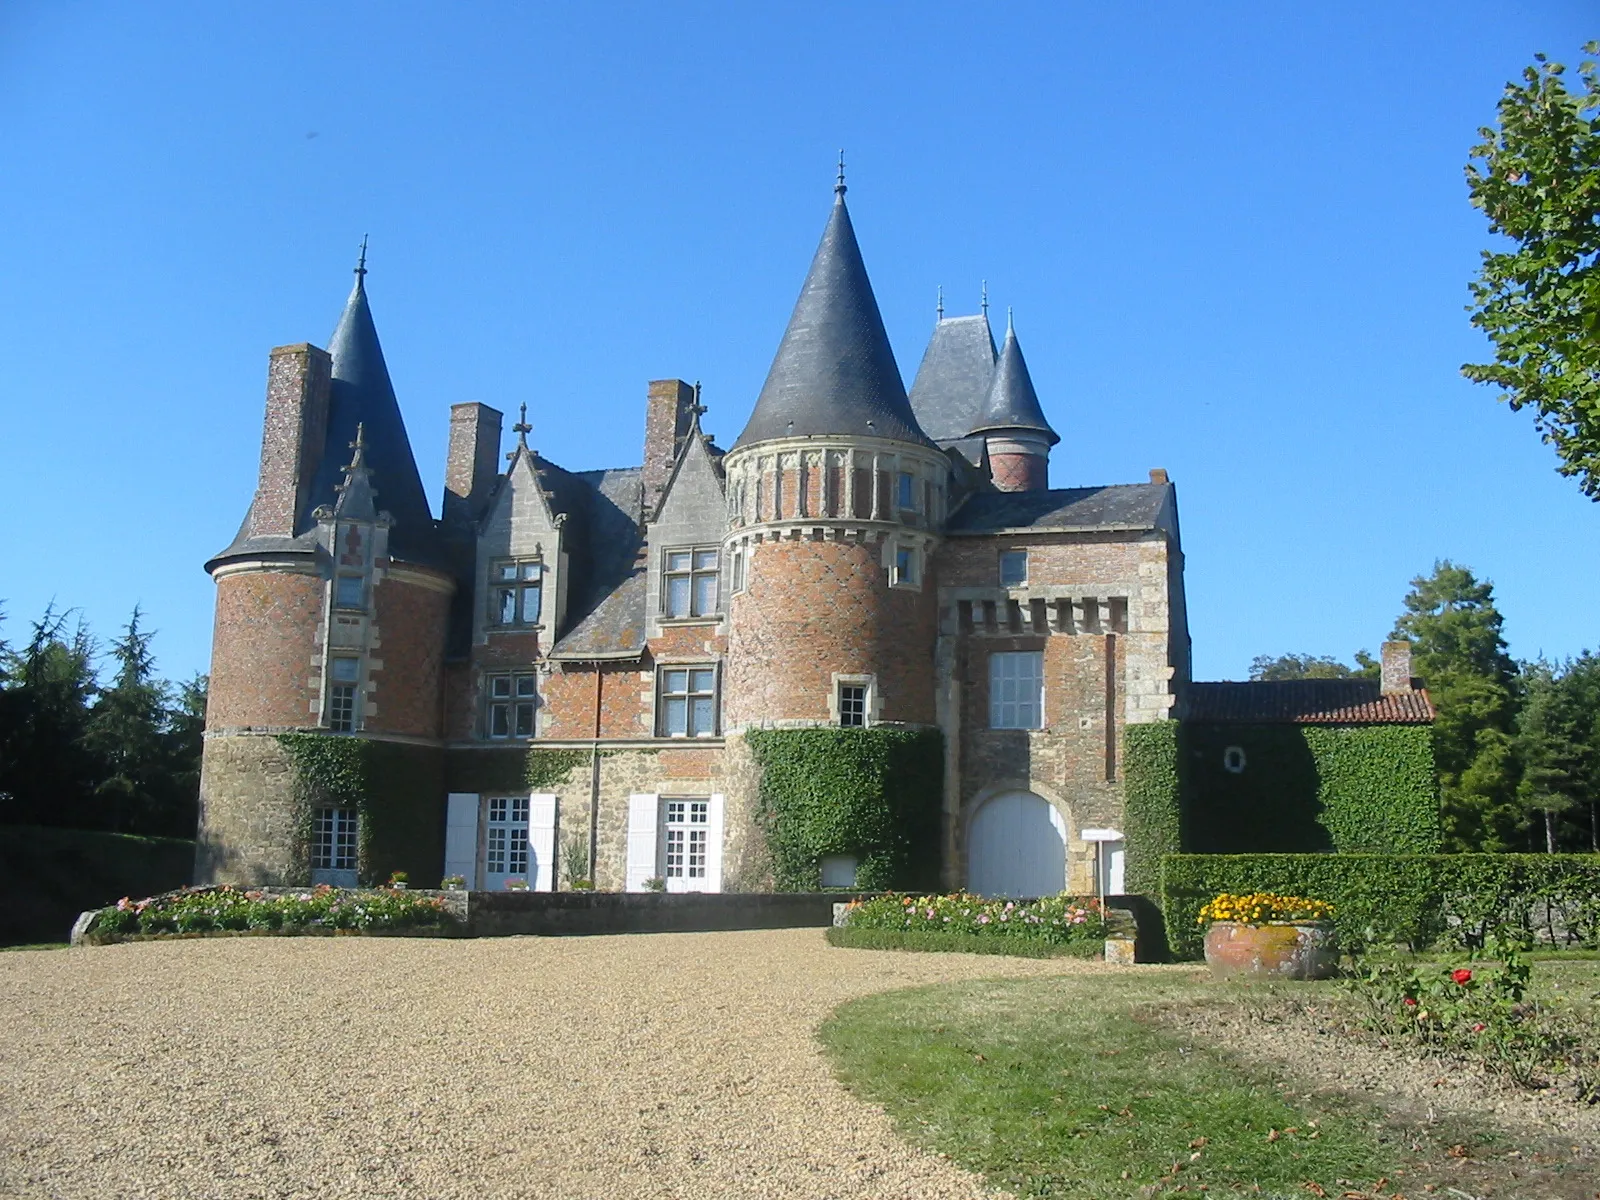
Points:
x=1461 y=975
x=1409 y=1002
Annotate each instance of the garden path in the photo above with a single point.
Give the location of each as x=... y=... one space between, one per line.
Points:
x=662 y=1065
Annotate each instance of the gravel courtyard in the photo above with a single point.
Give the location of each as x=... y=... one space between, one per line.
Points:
x=651 y=1065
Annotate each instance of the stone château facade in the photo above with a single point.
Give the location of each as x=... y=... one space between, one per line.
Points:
x=858 y=556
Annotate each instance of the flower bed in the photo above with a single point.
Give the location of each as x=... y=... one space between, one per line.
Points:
x=1258 y=908
x=227 y=909
x=1052 y=921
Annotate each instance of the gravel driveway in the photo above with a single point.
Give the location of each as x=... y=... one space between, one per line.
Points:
x=651 y=1065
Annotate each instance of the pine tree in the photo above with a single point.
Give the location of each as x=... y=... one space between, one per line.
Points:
x=1457 y=649
x=127 y=733
x=47 y=772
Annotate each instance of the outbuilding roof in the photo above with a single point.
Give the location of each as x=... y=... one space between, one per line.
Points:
x=1305 y=702
x=1129 y=506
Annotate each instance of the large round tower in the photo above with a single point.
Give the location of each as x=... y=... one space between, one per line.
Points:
x=332 y=604
x=836 y=498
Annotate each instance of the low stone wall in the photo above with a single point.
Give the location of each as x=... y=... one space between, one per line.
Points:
x=503 y=914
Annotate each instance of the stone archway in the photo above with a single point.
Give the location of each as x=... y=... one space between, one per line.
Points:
x=1017 y=846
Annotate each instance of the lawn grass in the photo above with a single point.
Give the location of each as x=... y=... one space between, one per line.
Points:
x=960 y=943
x=1066 y=1087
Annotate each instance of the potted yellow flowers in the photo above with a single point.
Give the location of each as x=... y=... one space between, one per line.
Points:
x=1264 y=933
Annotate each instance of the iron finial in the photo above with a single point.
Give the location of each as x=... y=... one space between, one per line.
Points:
x=986 y=297
x=361 y=263
x=522 y=429
x=839 y=189
x=939 y=308
x=1008 y=319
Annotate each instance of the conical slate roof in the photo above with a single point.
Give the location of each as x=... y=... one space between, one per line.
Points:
x=361 y=394
x=953 y=380
x=834 y=372
x=1012 y=402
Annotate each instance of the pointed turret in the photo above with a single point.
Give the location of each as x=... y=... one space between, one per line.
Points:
x=834 y=373
x=1011 y=420
x=953 y=381
x=361 y=394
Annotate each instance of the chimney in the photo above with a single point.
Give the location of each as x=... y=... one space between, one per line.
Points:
x=292 y=434
x=666 y=424
x=1396 y=667
x=472 y=463
x=1159 y=475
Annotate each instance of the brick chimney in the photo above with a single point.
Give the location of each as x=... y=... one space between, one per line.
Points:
x=1396 y=667
x=1159 y=475
x=666 y=423
x=292 y=434
x=472 y=463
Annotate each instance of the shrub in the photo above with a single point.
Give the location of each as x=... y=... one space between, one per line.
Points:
x=229 y=909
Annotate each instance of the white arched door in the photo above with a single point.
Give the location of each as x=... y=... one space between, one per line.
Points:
x=1017 y=846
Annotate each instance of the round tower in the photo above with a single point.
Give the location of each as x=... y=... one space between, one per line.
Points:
x=1012 y=424
x=331 y=607
x=835 y=499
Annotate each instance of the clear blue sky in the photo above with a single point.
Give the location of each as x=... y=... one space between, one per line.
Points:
x=1236 y=237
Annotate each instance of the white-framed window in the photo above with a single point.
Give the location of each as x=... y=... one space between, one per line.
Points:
x=505 y=841
x=1016 y=689
x=853 y=705
x=687 y=701
x=516 y=591
x=511 y=701
x=349 y=591
x=344 y=676
x=334 y=838
x=736 y=569
x=689 y=583
x=905 y=490
x=906 y=571
x=685 y=838
x=1013 y=568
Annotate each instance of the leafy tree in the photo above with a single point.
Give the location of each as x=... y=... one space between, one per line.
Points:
x=1537 y=179
x=1454 y=627
x=1550 y=738
x=1265 y=668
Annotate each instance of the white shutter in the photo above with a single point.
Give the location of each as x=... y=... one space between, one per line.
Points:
x=642 y=814
x=542 y=842
x=714 y=845
x=461 y=836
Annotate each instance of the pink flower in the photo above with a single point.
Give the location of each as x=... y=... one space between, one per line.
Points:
x=983 y=919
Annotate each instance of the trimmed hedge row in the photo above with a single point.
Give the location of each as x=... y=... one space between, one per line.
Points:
x=1415 y=899
x=959 y=943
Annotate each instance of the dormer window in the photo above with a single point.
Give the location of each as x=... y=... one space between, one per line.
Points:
x=516 y=594
x=690 y=583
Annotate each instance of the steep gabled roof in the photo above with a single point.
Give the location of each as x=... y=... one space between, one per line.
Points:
x=1012 y=403
x=953 y=380
x=1305 y=702
x=834 y=372
x=1123 y=506
x=361 y=394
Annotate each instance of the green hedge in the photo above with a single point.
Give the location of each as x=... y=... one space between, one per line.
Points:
x=959 y=943
x=1414 y=899
x=872 y=793
x=1152 y=814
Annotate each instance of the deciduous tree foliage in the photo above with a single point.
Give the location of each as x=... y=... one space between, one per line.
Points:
x=1537 y=178
x=1265 y=668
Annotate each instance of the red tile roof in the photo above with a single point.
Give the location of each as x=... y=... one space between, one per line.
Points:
x=1306 y=702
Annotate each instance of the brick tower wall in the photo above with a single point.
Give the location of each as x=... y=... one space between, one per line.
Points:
x=1020 y=472
x=263 y=649
x=812 y=609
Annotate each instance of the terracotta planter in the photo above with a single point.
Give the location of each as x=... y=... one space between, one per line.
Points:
x=1277 y=950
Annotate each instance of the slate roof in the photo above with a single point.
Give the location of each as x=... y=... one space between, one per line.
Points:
x=834 y=372
x=1305 y=702
x=606 y=593
x=361 y=394
x=1130 y=506
x=1012 y=403
x=953 y=380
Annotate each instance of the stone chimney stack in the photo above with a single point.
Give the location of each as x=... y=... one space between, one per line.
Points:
x=292 y=434
x=473 y=462
x=668 y=413
x=1396 y=667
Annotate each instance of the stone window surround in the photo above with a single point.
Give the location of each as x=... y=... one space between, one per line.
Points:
x=874 y=714
x=492 y=620
x=919 y=563
x=710 y=618
x=488 y=699
x=686 y=662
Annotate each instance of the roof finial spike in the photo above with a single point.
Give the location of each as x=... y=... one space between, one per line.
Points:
x=1009 y=328
x=359 y=460
x=361 y=263
x=986 y=297
x=939 y=309
x=522 y=429
x=839 y=189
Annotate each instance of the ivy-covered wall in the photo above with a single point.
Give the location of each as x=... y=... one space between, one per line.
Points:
x=1276 y=789
x=873 y=793
x=1308 y=788
x=398 y=790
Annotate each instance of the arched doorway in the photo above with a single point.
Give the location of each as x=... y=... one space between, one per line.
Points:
x=1017 y=846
